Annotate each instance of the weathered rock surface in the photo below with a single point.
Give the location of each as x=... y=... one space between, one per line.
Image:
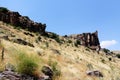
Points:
x=90 y=40
x=10 y=74
x=94 y=73
x=48 y=72
x=15 y=19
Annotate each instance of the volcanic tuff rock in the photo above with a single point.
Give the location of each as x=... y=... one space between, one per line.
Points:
x=90 y=40
x=15 y=19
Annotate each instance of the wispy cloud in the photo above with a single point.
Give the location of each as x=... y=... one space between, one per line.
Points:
x=108 y=43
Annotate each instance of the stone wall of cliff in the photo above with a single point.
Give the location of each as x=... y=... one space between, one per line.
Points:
x=90 y=40
x=15 y=19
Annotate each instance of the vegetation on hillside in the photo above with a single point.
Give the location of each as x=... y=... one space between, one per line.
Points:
x=118 y=55
x=70 y=62
x=55 y=37
x=3 y=9
x=26 y=64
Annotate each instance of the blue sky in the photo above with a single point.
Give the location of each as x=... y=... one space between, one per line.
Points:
x=74 y=16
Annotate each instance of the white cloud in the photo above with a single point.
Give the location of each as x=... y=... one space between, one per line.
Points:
x=108 y=43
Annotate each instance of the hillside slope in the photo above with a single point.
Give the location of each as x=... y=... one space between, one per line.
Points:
x=73 y=62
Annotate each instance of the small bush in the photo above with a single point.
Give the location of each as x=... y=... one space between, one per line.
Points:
x=58 y=40
x=77 y=43
x=118 y=55
x=90 y=66
x=2 y=9
x=55 y=69
x=106 y=50
x=69 y=41
x=103 y=61
x=65 y=36
x=68 y=44
x=26 y=64
x=47 y=44
x=54 y=36
x=75 y=50
x=17 y=27
x=87 y=49
x=110 y=59
x=39 y=38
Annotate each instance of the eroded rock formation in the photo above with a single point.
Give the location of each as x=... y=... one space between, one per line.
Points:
x=15 y=19
x=90 y=40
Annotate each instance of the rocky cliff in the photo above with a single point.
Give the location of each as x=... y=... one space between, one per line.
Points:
x=90 y=40
x=15 y=19
x=28 y=56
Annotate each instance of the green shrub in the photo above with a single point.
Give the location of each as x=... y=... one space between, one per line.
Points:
x=110 y=59
x=17 y=27
x=118 y=55
x=68 y=44
x=90 y=66
x=77 y=43
x=2 y=9
x=69 y=41
x=26 y=64
x=75 y=50
x=47 y=44
x=58 y=40
x=87 y=49
x=106 y=50
x=55 y=37
x=56 y=70
x=103 y=61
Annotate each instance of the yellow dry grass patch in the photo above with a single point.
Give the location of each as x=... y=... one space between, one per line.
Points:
x=73 y=61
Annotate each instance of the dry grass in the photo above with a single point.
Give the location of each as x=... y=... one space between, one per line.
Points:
x=73 y=61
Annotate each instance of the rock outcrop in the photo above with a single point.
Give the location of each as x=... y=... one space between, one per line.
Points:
x=23 y=42
x=47 y=71
x=15 y=19
x=94 y=73
x=10 y=74
x=90 y=40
